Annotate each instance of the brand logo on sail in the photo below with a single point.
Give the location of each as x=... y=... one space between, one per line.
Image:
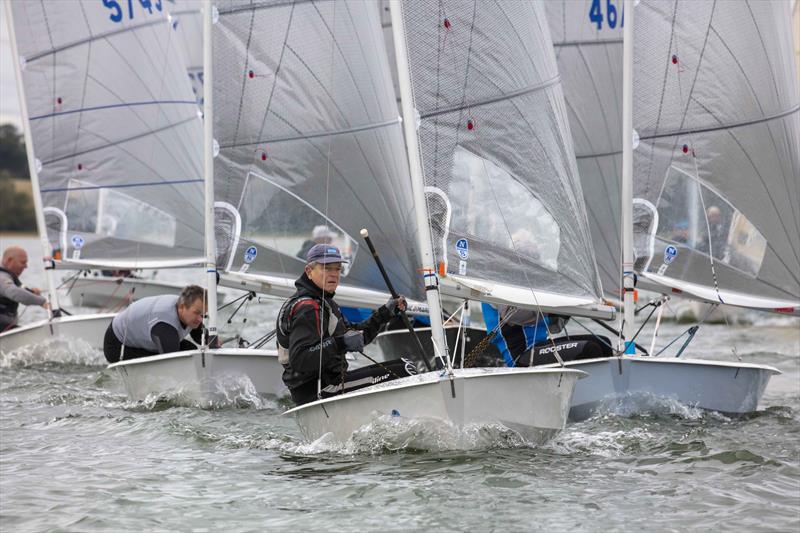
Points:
x=77 y=242
x=250 y=254
x=462 y=247
x=670 y=253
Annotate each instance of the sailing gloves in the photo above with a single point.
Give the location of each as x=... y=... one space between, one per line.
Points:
x=353 y=341
x=396 y=303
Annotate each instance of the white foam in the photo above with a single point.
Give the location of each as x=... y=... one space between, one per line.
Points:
x=58 y=350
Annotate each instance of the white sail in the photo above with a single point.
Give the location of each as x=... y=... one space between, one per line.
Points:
x=309 y=137
x=716 y=170
x=505 y=204
x=116 y=132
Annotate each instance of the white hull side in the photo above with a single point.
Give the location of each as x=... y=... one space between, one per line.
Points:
x=88 y=328
x=109 y=293
x=533 y=402
x=727 y=387
x=201 y=377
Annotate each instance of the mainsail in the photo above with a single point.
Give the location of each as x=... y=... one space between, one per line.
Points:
x=310 y=142
x=116 y=132
x=505 y=204
x=717 y=108
x=716 y=170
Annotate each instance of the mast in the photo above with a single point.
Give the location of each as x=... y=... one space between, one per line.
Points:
x=627 y=180
x=47 y=249
x=208 y=169
x=417 y=183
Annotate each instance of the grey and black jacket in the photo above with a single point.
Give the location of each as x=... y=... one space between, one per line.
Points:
x=310 y=324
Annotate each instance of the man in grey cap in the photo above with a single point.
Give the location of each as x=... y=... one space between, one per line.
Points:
x=313 y=336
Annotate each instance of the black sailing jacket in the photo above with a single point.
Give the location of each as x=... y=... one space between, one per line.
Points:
x=301 y=319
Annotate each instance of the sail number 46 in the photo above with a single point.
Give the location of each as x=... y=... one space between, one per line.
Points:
x=596 y=14
x=118 y=12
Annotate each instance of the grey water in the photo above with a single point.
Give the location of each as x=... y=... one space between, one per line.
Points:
x=76 y=455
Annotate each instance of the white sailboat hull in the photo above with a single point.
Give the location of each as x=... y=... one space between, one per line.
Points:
x=104 y=292
x=202 y=377
x=88 y=328
x=727 y=387
x=533 y=402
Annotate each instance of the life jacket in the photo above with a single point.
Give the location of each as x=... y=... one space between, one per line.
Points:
x=285 y=315
x=7 y=305
x=133 y=326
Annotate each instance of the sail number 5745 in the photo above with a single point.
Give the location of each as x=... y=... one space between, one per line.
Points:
x=121 y=9
x=611 y=15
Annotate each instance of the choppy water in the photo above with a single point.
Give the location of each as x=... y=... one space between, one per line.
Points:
x=75 y=454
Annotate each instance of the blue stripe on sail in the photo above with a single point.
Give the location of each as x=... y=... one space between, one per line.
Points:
x=121 y=186
x=113 y=106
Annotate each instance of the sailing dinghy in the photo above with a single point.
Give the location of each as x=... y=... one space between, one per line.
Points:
x=309 y=135
x=206 y=375
x=713 y=106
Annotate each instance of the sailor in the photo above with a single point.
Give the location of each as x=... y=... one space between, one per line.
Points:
x=319 y=235
x=158 y=324
x=313 y=336
x=12 y=292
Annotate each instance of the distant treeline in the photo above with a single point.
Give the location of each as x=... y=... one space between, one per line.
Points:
x=16 y=204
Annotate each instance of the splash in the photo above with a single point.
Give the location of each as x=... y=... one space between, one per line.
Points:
x=226 y=391
x=646 y=404
x=58 y=351
x=609 y=444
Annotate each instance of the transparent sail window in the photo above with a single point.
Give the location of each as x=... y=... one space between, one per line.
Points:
x=480 y=190
x=111 y=213
x=275 y=218
x=695 y=216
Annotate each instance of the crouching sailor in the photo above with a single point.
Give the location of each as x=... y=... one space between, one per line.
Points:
x=156 y=325
x=313 y=336
x=12 y=292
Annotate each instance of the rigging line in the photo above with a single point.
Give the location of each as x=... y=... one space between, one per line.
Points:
x=519 y=258
x=53 y=50
x=314 y=135
x=114 y=106
x=375 y=223
x=766 y=189
x=377 y=92
x=85 y=81
x=555 y=80
x=247 y=69
x=134 y=72
x=121 y=185
x=662 y=95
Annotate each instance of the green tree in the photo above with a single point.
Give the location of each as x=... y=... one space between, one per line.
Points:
x=16 y=208
x=13 y=158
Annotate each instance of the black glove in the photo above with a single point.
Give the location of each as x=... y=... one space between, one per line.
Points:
x=353 y=341
x=396 y=303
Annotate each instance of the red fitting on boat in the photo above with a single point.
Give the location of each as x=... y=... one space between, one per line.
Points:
x=470 y=124
x=446 y=24
x=674 y=59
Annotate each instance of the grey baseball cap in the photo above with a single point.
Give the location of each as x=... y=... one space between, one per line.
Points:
x=324 y=254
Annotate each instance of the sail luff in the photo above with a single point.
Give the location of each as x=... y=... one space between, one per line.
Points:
x=417 y=183
x=627 y=182
x=47 y=250
x=208 y=168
